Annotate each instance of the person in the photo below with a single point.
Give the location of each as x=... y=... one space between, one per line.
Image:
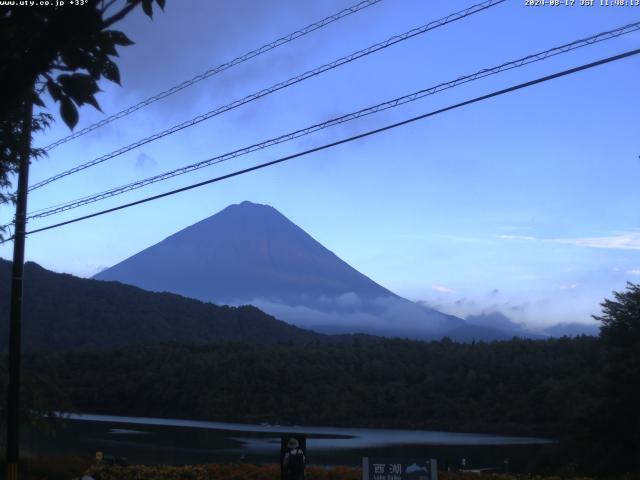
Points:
x=294 y=461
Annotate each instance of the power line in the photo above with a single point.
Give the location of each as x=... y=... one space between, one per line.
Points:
x=213 y=71
x=279 y=86
x=347 y=140
x=45 y=212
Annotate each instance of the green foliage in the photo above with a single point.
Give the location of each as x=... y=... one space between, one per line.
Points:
x=584 y=391
x=520 y=386
x=61 y=467
x=613 y=435
x=63 y=312
x=621 y=320
x=41 y=400
x=242 y=471
x=61 y=51
x=10 y=129
x=65 y=50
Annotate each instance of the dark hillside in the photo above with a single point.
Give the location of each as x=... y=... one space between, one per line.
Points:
x=63 y=312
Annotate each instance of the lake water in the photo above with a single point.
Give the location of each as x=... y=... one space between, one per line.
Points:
x=173 y=441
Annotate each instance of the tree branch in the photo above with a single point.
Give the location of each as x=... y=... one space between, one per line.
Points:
x=107 y=6
x=120 y=15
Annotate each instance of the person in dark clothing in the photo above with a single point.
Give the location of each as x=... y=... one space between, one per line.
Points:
x=294 y=461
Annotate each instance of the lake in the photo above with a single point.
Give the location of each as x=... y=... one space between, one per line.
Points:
x=177 y=442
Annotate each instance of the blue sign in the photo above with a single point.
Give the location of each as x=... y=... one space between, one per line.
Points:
x=389 y=469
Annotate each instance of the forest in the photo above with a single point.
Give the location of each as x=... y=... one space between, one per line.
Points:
x=582 y=391
x=63 y=312
x=521 y=386
x=529 y=387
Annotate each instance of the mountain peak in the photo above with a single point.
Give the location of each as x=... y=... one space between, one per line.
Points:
x=246 y=251
x=252 y=253
x=246 y=204
x=245 y=209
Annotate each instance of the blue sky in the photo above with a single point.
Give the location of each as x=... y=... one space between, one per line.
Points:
x=527 y=203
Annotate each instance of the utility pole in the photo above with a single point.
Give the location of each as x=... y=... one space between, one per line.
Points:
x=15 y=322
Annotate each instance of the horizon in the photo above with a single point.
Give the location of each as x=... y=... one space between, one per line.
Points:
x=519 y=204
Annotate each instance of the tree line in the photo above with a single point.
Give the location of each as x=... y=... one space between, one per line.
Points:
x=582 y=391
x=520 y=386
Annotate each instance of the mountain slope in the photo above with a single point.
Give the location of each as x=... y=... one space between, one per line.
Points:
x=251 y=253
x=245 y=249
x=65 y=312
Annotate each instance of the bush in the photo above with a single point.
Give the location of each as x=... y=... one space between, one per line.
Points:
x=60 y=467
x=215 y=472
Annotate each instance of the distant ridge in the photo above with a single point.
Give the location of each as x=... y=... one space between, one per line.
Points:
x=63 y=312
x=573 y=329
x=502 y=325
x=252 y=254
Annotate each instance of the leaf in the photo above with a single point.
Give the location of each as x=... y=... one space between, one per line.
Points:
x=75 y=57
x=54 y=90
x=106 y=44
x=118 y=38
x=110 y=71
x=38 y=101
x=93 y=102
x=68 y=112
x=79 y=86
x=147 y=6
x=161 y=3
x=95 y=70
x=94 y=64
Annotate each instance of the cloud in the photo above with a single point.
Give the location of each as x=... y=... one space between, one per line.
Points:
x=389 y=314
x=96 y=270
x=144 y=161
x=622 y=241
x=571 y=286
x=516 y=237
x=440 y=288
x=349 y=299
x=634 y=271
x=517 y=308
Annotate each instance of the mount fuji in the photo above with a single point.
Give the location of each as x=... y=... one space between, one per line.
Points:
x=252 y=254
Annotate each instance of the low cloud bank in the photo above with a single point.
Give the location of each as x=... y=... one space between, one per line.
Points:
x=350 y=312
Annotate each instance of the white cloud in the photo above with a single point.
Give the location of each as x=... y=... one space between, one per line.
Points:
x=388 y=314
x=570 y=286
x=625 y=241
x=349 y=299
x=634 y=271
x=622 y=241
x=516 y=237
x=440 y=288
